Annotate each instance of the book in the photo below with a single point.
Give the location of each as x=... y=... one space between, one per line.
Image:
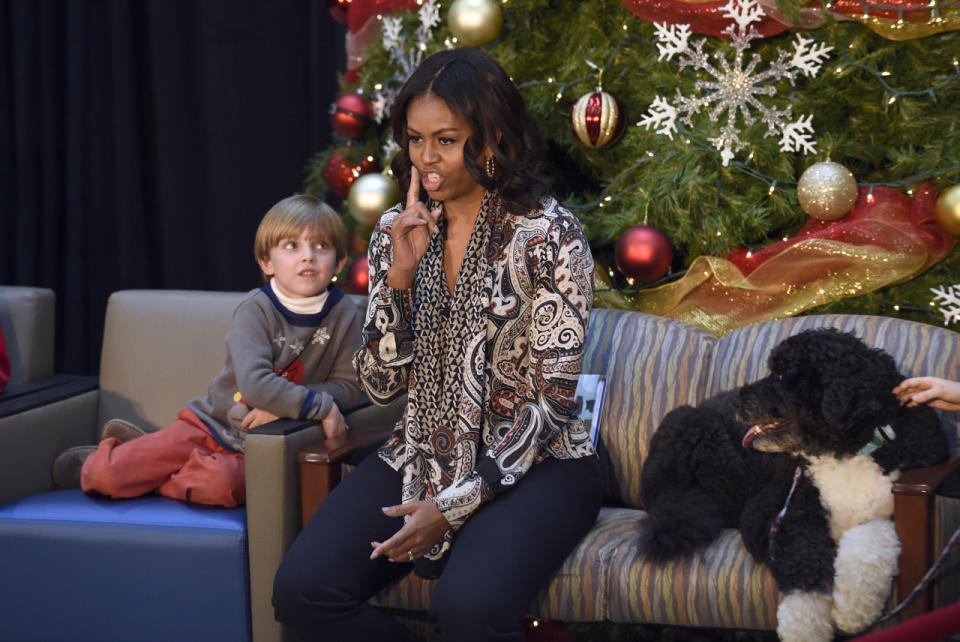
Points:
x=589 y=398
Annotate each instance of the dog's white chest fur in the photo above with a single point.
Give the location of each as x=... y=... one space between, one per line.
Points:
x=854 y=491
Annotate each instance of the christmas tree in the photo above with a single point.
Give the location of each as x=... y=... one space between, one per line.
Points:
x=745 y=160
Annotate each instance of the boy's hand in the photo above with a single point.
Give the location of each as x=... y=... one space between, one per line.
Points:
x=334 y=423
x=257 y=417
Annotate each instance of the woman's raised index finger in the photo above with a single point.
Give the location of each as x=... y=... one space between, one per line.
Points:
x=413 y=193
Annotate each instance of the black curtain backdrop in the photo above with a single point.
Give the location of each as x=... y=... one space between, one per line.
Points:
x=141 y=141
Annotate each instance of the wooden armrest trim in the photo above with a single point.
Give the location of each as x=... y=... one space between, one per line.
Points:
x=320 y=465
x=330 y=451
x=924 y=481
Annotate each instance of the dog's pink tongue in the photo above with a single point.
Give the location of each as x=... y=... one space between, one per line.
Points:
x=750 y=436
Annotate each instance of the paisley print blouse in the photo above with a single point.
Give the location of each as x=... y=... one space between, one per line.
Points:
x=490 y=369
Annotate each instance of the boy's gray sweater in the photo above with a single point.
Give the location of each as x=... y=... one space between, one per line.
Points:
x=292 y=365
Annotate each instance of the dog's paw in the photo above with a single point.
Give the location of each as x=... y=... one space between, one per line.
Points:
x=863 y=574
x=805 y=617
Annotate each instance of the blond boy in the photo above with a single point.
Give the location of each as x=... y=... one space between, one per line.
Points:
x=289 y=351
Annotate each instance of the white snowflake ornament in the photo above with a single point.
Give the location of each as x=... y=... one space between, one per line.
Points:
x=732 y=94
x=405 y=57
x=948 y=300
x=663 y=115
x=673 y=39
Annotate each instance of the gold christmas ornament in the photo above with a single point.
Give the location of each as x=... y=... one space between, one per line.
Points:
x=948 y=209
x=370 y=196
x=827 y=191
x=475 y=22
x=597 y=119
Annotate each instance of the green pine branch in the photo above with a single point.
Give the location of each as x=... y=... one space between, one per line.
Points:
x=886 y=110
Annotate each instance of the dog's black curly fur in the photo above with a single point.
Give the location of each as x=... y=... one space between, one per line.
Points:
x=826 y=394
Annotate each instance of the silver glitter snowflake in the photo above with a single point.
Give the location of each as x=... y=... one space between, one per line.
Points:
x=736 y=85
x=947 y=299
x=406 y=57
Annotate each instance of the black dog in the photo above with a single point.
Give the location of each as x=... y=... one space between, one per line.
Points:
x=802 y=462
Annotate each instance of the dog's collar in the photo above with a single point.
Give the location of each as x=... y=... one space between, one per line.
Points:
x=881 y=435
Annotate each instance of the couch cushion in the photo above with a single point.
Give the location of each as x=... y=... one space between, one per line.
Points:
x=720 y=587
x=606 y=578
x=159 y=569
x=578 y=591
x=653 y=364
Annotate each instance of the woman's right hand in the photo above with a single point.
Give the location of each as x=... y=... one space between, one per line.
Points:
x=411 y=233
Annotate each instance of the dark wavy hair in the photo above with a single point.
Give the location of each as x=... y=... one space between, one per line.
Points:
x=476 y=88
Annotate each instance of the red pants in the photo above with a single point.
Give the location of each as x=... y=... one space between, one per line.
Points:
x=182 y=461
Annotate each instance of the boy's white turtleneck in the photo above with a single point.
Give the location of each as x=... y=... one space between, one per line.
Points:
x=306 y=305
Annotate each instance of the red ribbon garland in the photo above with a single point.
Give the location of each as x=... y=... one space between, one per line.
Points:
x=898 y=210
x=703 y=17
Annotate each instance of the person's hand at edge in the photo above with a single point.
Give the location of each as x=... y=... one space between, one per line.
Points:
x=939 y=393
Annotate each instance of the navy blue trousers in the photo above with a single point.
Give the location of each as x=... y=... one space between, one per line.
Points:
x=500 y=558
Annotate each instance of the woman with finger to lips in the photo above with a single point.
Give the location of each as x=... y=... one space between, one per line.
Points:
x=481 y=285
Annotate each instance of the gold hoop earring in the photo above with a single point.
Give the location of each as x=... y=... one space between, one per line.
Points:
x=491 y=167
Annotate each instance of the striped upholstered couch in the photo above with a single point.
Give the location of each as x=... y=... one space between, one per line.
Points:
x=652 y=365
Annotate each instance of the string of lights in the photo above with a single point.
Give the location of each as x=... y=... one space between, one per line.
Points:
x=612 y=191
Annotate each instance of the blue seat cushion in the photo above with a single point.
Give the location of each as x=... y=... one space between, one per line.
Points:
x=76 y=567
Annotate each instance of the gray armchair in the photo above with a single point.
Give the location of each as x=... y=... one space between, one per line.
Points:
x=160 y=349
x=27 y=319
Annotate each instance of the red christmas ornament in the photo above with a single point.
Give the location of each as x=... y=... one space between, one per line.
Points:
x=597 y=119
x=358 y=276
x=643 y=253
x=357 y=243
x=350 y=114
x=338 y=9
x=340 y=171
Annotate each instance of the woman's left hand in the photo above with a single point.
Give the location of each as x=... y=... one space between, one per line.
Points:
x=424 y=529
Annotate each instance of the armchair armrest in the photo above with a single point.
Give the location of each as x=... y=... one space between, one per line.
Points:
x=914 y=499
x=273 y=515
x=926 y=480
x=26 y=396
x=38 y=421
